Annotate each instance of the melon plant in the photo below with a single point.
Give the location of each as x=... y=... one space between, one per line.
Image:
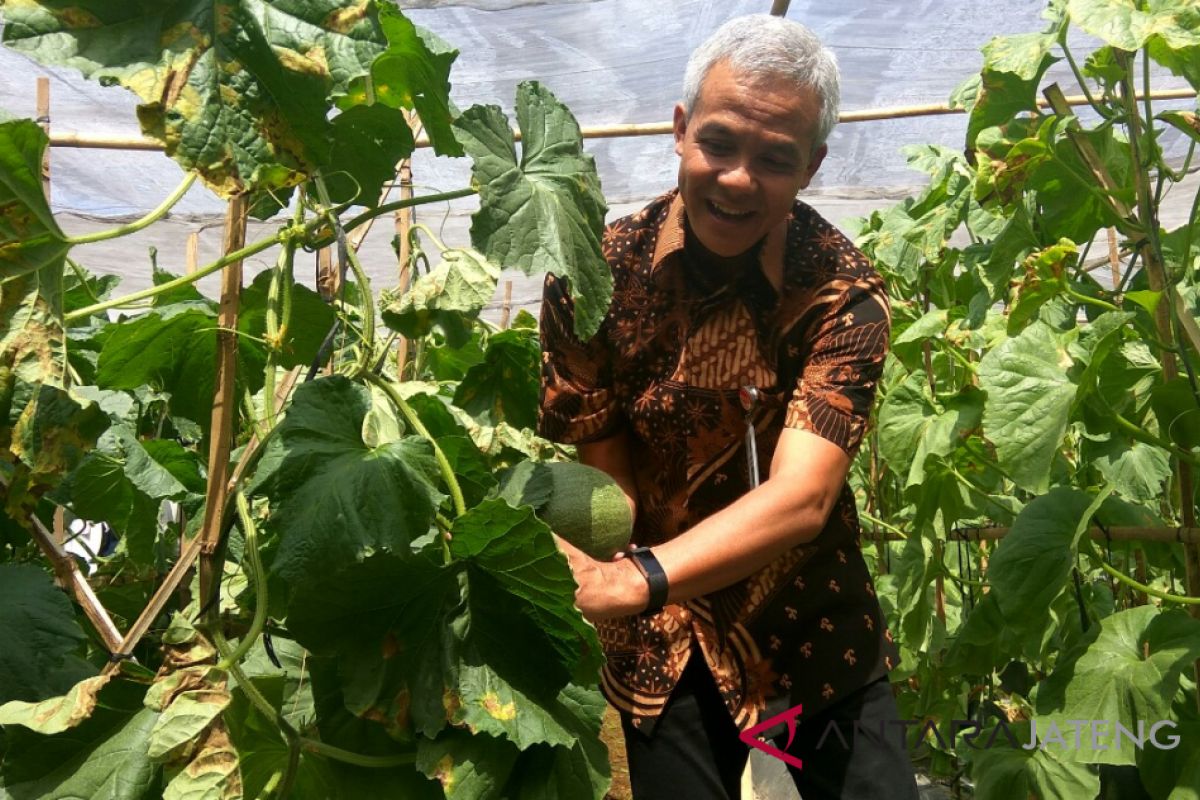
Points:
x=365 y=616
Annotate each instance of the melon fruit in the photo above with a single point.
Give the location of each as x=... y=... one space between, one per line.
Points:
x=588 y=509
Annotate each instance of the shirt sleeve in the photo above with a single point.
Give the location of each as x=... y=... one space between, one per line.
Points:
x=848 y=342
x=577 y=403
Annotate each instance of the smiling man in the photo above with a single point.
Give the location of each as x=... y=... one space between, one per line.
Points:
x=727 y=392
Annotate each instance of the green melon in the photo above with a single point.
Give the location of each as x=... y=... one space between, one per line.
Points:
x=588 y=509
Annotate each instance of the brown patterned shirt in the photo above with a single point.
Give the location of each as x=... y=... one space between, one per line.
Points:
x=666 y=366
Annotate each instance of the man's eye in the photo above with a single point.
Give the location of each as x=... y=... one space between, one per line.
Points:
x=779 y=165
x=716 y=147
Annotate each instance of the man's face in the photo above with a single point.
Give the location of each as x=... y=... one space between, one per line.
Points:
x=744 y=154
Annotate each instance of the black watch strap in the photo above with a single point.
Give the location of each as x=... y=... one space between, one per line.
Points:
x=655 y=576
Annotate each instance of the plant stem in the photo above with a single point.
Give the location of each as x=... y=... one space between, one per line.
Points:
x=137 y=225
x=1121 y=577
x=254 y=561
x=876 y=521
x=184 y=280
x=419 y=226
x=387 y=208
x=357 y=759
x=1080 y=297
x=456 y=495
x=1079 y=77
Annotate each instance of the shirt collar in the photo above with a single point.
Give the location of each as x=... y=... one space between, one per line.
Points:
x=671 y=233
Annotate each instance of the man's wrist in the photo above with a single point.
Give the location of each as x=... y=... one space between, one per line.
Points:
x=654 y=577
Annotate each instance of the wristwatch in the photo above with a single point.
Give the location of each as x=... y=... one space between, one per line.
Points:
x=655 y=576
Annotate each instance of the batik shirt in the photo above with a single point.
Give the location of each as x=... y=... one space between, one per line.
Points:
x=666 y=367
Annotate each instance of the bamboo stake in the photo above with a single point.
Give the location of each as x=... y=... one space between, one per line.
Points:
x=73 y=580
x=224 y=399
x=1114 y=262
x=43 y=119
x=779 y=8
x=192 y=256
x=1120 y=534
x=506 y=306
x=621 y=130
x=404 y=221
x=328 y=279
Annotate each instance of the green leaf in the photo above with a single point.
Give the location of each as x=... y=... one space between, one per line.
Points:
x=414 y=73
x=912 y=425
x=1128 y=671
x=1136 y=469
x=104 y=758
x=1187 y=122
x=529 y=483
x=544 y=213
x=177 y=354
x=367 y=143
x=486 y=642
x=1128 y=25
x=1031 y=564
x=516 y=549
x=448 y=297
x=1173 y=772
x=335 y=499
x=38 y=627
x=237 y=92
x=122 y=484
x=189 y=699
x=30 y=239
x=469 y=767
x=1177 y=411
x=504 y=388
x=1012 y=68
x=567 y=773
x=1028 y=403
x=1002 y=772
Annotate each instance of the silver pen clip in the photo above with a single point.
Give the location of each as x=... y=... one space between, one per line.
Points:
x=749 y=397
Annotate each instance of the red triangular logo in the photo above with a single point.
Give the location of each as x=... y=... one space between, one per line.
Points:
x=750 y=736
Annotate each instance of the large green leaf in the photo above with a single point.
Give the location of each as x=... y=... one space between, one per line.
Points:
x=1130 y=25
x=1031 y=564
x=1128 y=672
x=504 y=388
x=105 y=757
x=1170 y=772
x=1028 y=403
x=310 y=321
x=576 y=772
x=334 y=498
x=236 y=90
x=367 y=143
x=414 y=73
x=39 y=631
x=1012 y=68
x=486 y=642
x=912 y=425
x=1002 y=772
x=448 y=297
x=29 y=237
x=122 y=484
x=544 y=213
x=55 y=431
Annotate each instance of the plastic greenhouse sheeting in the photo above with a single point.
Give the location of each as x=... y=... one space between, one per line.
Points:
x=611 y=61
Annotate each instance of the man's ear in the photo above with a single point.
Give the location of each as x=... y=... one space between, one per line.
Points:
x=814 y=164
x=680 y=128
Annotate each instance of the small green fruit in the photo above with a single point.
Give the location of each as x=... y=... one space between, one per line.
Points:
x=588 y=509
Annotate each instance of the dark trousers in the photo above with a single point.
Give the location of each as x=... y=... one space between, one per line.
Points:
x=695 y=752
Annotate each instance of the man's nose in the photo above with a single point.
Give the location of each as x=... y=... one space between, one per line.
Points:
x=738 y=177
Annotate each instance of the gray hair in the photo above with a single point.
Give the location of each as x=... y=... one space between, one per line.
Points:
x=765 y=46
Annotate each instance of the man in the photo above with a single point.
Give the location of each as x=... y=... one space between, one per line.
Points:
x=735 y=306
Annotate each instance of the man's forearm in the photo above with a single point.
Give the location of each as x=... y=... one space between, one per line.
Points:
x=742 y=538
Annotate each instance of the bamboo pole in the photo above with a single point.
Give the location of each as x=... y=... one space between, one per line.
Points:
x=623 y=130
x=1114 y=262
x=43 y=119
x=192 y=256
x=1120 y=534
x=779 y=8
x=506 y=306
x=224 y=397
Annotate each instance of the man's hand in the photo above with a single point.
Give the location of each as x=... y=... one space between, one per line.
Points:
x=605 y=588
